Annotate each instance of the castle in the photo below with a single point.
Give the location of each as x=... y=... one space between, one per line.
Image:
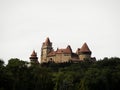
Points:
x=61 y=55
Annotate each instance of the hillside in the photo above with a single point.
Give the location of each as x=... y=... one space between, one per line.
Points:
x=100 y=75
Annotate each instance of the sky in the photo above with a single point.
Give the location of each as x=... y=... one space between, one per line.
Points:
x=25 y=24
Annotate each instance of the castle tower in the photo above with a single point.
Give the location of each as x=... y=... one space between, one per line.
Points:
x=45 y=50
x=33 y=58
x=84 y=53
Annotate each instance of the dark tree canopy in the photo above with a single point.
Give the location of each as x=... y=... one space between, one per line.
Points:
x=21 y=75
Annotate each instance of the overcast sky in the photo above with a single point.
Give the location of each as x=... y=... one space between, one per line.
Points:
x=25 y=24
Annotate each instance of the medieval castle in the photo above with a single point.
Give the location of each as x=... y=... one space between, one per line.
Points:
x=61 y=55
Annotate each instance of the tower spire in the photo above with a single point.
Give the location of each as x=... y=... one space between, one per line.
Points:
x=47 y=42
x=85 y=48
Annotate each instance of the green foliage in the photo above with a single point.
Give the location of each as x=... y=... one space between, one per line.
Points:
x=86 y=75
x=1 y=63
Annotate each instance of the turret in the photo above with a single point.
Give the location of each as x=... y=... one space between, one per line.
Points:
x=33 y=58
x=84 y=52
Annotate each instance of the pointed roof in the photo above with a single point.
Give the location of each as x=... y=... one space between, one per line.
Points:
x=68 y=49
x=34 y=54
x=47 y=42
x=85 y=48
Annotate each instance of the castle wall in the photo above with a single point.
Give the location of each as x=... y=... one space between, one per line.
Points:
x=51 y=58
x=44 y=56
x=63 y=55
x=62 y=58
x=58 y=58
x=84 y=56
x=66 y=57
x=44 y=52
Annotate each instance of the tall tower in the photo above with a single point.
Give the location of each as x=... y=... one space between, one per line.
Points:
x=84 y=52
x=45 y=50
x=33 y=58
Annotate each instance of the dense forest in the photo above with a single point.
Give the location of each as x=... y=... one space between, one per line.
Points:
x=86 y=75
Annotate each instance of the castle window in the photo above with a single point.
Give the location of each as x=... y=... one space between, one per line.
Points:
x=51 y=59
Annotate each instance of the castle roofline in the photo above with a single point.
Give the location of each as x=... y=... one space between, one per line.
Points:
x=47 y=42
x=67 y=50
x=52 y=53
x=85 y=48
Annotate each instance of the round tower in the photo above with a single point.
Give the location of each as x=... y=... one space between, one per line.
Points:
x=33 y=58
x=84 y=52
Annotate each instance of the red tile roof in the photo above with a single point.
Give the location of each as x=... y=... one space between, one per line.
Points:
x=67 y=50
x=85 y=48
x=52 y=53
x=60 y=51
